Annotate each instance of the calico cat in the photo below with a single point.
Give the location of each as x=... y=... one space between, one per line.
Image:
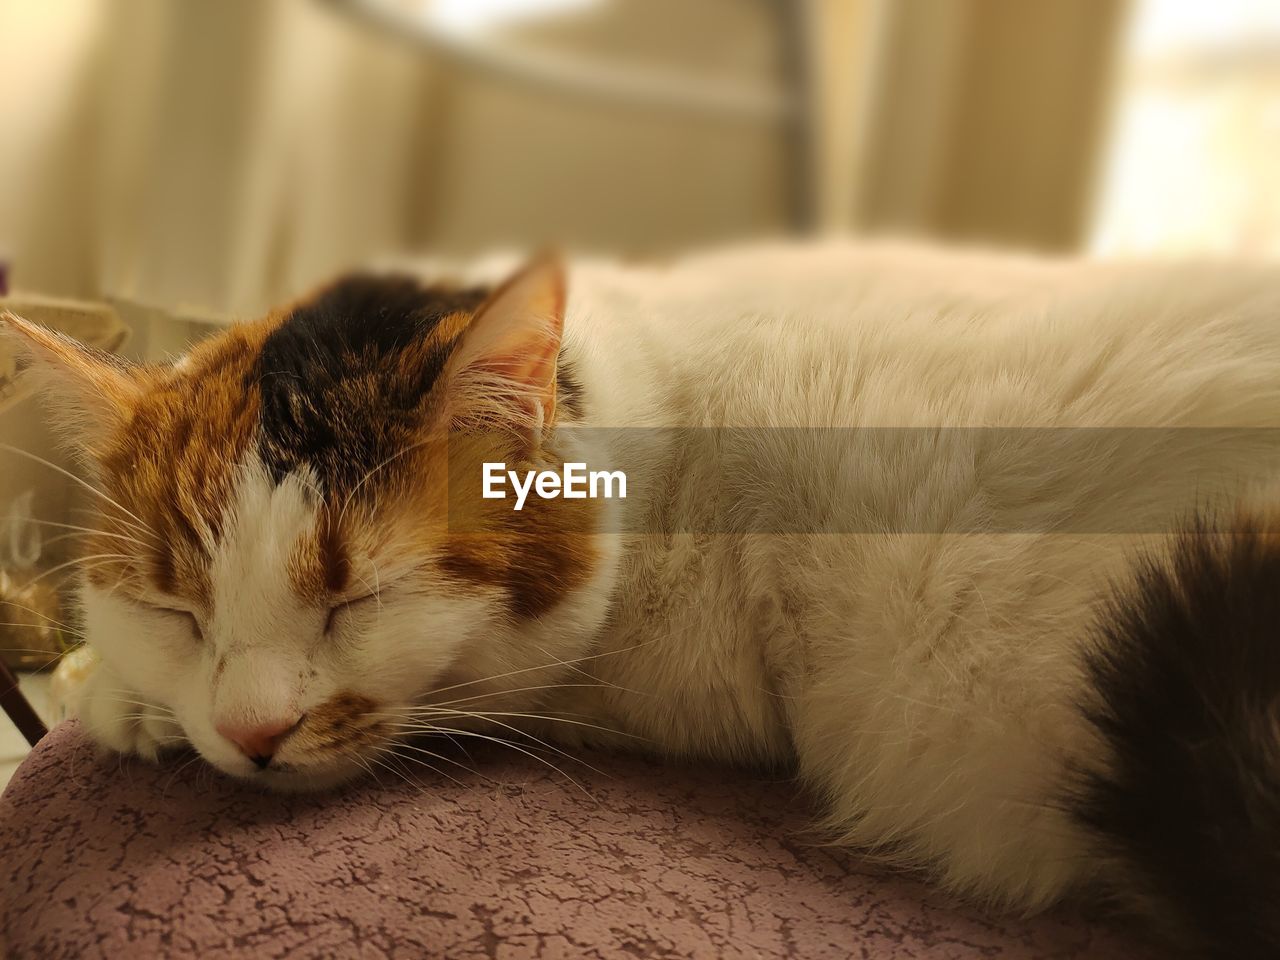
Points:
x=990 y=566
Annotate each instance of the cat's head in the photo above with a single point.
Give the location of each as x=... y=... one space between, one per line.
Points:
x=278 y=558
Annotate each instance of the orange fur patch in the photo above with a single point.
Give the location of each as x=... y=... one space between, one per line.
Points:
x=173 y=468
x=536 y=555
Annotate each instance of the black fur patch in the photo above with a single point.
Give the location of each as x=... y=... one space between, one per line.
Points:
x=335 y=393
x=568 y=388
x=1187 y=682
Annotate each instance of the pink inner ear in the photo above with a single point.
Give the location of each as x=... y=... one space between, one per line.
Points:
x=516 y=333
x=89 y=392
x=536 y=367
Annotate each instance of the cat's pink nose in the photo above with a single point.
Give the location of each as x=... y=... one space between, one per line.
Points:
x=259 y=741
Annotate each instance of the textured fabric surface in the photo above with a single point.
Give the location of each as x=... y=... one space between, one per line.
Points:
x=106 y=859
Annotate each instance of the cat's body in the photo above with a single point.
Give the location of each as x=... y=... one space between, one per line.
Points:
x=929 y=685
x=933 y=624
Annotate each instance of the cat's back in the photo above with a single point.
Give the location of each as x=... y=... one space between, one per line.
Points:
x=791 y=337
x=898 y=334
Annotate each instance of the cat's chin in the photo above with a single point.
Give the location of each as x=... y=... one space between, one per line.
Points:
x=310 y=783
x=312 y=779
x=316 y=780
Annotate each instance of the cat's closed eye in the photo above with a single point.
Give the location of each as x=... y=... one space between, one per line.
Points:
x=347 y=605
x=188 y=618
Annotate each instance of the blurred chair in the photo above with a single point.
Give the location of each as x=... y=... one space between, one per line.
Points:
x=244 y=150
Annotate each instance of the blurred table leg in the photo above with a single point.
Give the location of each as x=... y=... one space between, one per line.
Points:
x=19 y=710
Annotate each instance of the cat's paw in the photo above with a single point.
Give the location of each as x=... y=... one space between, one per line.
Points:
x=121 y=721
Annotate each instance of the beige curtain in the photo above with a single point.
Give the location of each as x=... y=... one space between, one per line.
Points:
x=212 y=157
x=208 y=157
x=984 y=118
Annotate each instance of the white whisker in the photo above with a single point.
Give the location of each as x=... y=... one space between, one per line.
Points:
x=88 y=486
x=430 y=766
x=365 y=479
x=432 y=711
x=89 y=530
x=503 y=692
x=513 y=746
x=113 y=557
x=546 y=666
x=23 y=606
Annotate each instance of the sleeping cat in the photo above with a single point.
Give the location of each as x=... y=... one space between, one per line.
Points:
x=988 y=563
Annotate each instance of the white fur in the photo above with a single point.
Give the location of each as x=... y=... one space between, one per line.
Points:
x=925 y=684
x=264 y=654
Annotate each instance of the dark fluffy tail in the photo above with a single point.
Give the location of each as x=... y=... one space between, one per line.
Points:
x=1186 y=684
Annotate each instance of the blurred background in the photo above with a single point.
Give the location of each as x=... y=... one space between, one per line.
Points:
x=208 y=158
x=168 y=165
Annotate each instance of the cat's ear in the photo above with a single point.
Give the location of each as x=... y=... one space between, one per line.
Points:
x=504 y=369
x=90 y=393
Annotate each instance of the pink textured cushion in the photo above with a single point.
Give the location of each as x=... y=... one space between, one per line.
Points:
x=103 y=859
